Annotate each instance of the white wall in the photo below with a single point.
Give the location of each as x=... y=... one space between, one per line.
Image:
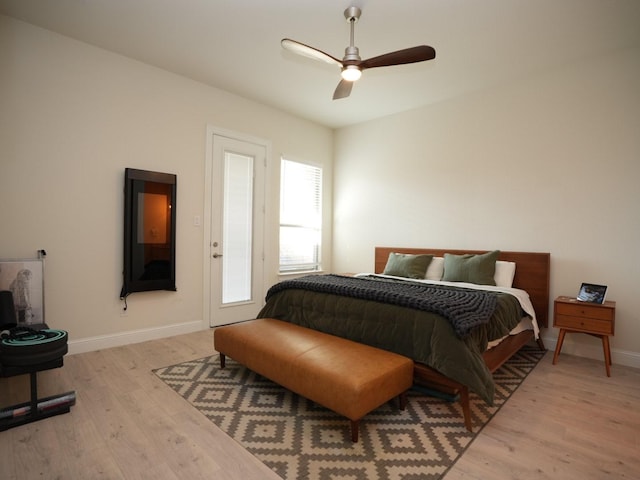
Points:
x=548 y=164
x=72 y=118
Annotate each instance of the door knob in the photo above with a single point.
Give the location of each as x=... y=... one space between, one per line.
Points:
x=215 y=255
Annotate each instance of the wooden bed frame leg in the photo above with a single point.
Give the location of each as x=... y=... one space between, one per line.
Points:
x=540 y=343
x=222 y=360
x=466 y=408
x=354 y=430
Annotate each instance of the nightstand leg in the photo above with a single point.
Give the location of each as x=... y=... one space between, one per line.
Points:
x=559 y=345
x=607 y=354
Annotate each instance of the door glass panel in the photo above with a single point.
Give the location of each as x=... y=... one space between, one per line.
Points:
x=237 y=228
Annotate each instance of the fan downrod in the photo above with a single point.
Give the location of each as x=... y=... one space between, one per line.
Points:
x=351 y=53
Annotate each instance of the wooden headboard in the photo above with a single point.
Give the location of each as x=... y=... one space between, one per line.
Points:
x=532 y=272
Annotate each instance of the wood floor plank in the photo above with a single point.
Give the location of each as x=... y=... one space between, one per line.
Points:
x=567 y=421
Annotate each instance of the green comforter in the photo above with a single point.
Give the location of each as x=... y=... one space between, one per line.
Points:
x=422 y=336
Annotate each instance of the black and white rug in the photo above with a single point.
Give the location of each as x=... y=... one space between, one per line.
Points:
x=301 y=440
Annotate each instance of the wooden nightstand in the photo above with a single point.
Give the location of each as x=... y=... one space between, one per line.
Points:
x=571 y=315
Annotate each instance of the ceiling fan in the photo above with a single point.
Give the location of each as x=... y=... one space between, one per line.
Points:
x=351 y=64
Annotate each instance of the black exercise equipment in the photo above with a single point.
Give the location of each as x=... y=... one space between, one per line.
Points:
x=29 y=350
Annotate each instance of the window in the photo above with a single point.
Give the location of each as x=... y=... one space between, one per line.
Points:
x=300 y=216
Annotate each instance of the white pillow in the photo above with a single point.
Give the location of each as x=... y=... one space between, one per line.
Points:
x=435 y=271
x=505 y=271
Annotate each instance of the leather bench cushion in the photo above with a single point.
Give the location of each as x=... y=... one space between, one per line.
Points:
x=347 y=377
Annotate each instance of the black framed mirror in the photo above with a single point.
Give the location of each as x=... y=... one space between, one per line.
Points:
x=149 y=231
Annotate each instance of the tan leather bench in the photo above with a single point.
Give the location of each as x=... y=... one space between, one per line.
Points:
x=349 y=378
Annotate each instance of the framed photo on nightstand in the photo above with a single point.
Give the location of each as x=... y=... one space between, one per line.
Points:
x=592 y=293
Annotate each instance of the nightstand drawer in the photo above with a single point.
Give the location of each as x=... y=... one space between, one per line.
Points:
x=582 y=310
x=591 y=325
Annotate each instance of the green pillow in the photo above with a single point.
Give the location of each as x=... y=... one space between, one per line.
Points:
x=405 y=265
x=469 y=268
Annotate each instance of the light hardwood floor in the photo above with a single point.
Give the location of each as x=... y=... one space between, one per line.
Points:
x=567 y=421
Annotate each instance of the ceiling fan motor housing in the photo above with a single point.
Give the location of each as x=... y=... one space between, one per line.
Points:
x=351 y=54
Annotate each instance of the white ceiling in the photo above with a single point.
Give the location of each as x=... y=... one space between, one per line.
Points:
x=235 y=44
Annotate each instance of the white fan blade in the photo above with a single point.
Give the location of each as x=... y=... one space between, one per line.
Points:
x=307 y=51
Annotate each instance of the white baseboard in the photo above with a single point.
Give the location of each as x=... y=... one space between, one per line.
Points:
x=595 y=352
x=135 y=336
x=620 y=357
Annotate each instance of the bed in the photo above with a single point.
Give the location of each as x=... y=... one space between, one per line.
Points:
x=448 y=357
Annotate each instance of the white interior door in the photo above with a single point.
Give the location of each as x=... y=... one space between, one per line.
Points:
x=236 y=255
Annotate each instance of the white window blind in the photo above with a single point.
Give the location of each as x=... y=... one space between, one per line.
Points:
x=300 y=216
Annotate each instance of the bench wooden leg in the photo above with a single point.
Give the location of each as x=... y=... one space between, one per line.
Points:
x=403 y=400
x=222 y=360
x=354 y=430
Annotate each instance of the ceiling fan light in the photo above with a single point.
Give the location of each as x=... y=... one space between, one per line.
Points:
x=351 y=73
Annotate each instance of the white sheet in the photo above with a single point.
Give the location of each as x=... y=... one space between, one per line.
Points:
x=523 y=297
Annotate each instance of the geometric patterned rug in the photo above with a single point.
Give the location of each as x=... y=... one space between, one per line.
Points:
x=299 y=439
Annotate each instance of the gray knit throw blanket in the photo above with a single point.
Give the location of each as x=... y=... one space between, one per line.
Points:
x=463 y=308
